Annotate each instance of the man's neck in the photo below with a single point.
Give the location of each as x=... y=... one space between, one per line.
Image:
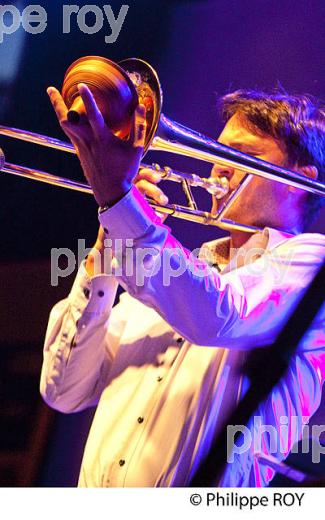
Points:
x=237 y=240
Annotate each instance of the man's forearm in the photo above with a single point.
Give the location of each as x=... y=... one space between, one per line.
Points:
x=78 y=344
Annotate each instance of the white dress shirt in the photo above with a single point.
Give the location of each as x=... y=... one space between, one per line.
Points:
x=163 y=364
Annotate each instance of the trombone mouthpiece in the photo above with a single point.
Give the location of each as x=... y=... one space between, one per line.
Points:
x=218 y=187
x=2 y=159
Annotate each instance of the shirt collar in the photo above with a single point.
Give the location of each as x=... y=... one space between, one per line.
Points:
x=217 y=251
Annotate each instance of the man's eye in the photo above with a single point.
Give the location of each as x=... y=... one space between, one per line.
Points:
x=254 y=153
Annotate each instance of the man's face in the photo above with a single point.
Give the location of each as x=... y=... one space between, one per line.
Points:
x=261 y=203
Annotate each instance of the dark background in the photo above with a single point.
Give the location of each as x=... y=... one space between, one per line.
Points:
x=201 y=49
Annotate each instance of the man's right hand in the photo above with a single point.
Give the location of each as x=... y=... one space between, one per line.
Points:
x=146 y=181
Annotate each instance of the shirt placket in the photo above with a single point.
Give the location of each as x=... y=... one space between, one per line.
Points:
x=122 y=464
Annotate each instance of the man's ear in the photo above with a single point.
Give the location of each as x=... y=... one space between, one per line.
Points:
x=309 y=171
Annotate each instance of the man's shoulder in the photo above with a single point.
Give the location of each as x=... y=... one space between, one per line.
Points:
x=303 y=251
x=309 y=241
x=317 y=238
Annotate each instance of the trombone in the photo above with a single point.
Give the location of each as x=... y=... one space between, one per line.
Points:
x=118 y=88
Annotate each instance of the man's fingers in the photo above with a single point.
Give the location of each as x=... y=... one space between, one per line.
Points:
x=95 y=117
x=139 y=127
x=148 y=174
x=58 y=104
x=61 y=111
x=151 y=190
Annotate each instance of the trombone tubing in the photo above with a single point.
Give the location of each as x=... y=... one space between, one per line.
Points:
x=218 y=187
x=193 y=145
x=175 y=210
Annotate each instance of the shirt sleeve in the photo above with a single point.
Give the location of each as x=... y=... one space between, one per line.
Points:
x=80 y=344
x=243 y=309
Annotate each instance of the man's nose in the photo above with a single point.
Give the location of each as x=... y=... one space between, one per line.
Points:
x=219 y=170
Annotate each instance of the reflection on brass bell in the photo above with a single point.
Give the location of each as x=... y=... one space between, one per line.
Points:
x=117 y=89
x=114 y=92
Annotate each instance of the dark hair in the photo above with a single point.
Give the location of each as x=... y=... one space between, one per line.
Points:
x=298 y=121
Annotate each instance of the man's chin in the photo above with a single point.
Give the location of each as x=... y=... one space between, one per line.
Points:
x=235 y=216
x=218 y=205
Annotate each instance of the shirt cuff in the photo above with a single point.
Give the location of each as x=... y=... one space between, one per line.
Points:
x=95 y=294
x=129 y=218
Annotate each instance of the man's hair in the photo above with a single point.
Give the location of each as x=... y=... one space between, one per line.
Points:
x=298 y=121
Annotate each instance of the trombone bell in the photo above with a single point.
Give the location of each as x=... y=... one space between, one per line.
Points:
x=118 y=89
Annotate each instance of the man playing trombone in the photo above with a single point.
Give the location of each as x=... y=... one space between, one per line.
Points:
x=163 y=365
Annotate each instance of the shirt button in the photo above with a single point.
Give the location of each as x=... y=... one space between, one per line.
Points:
x=100 y=294
x=121 y=462
x=140 y=420
x=159 y=378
